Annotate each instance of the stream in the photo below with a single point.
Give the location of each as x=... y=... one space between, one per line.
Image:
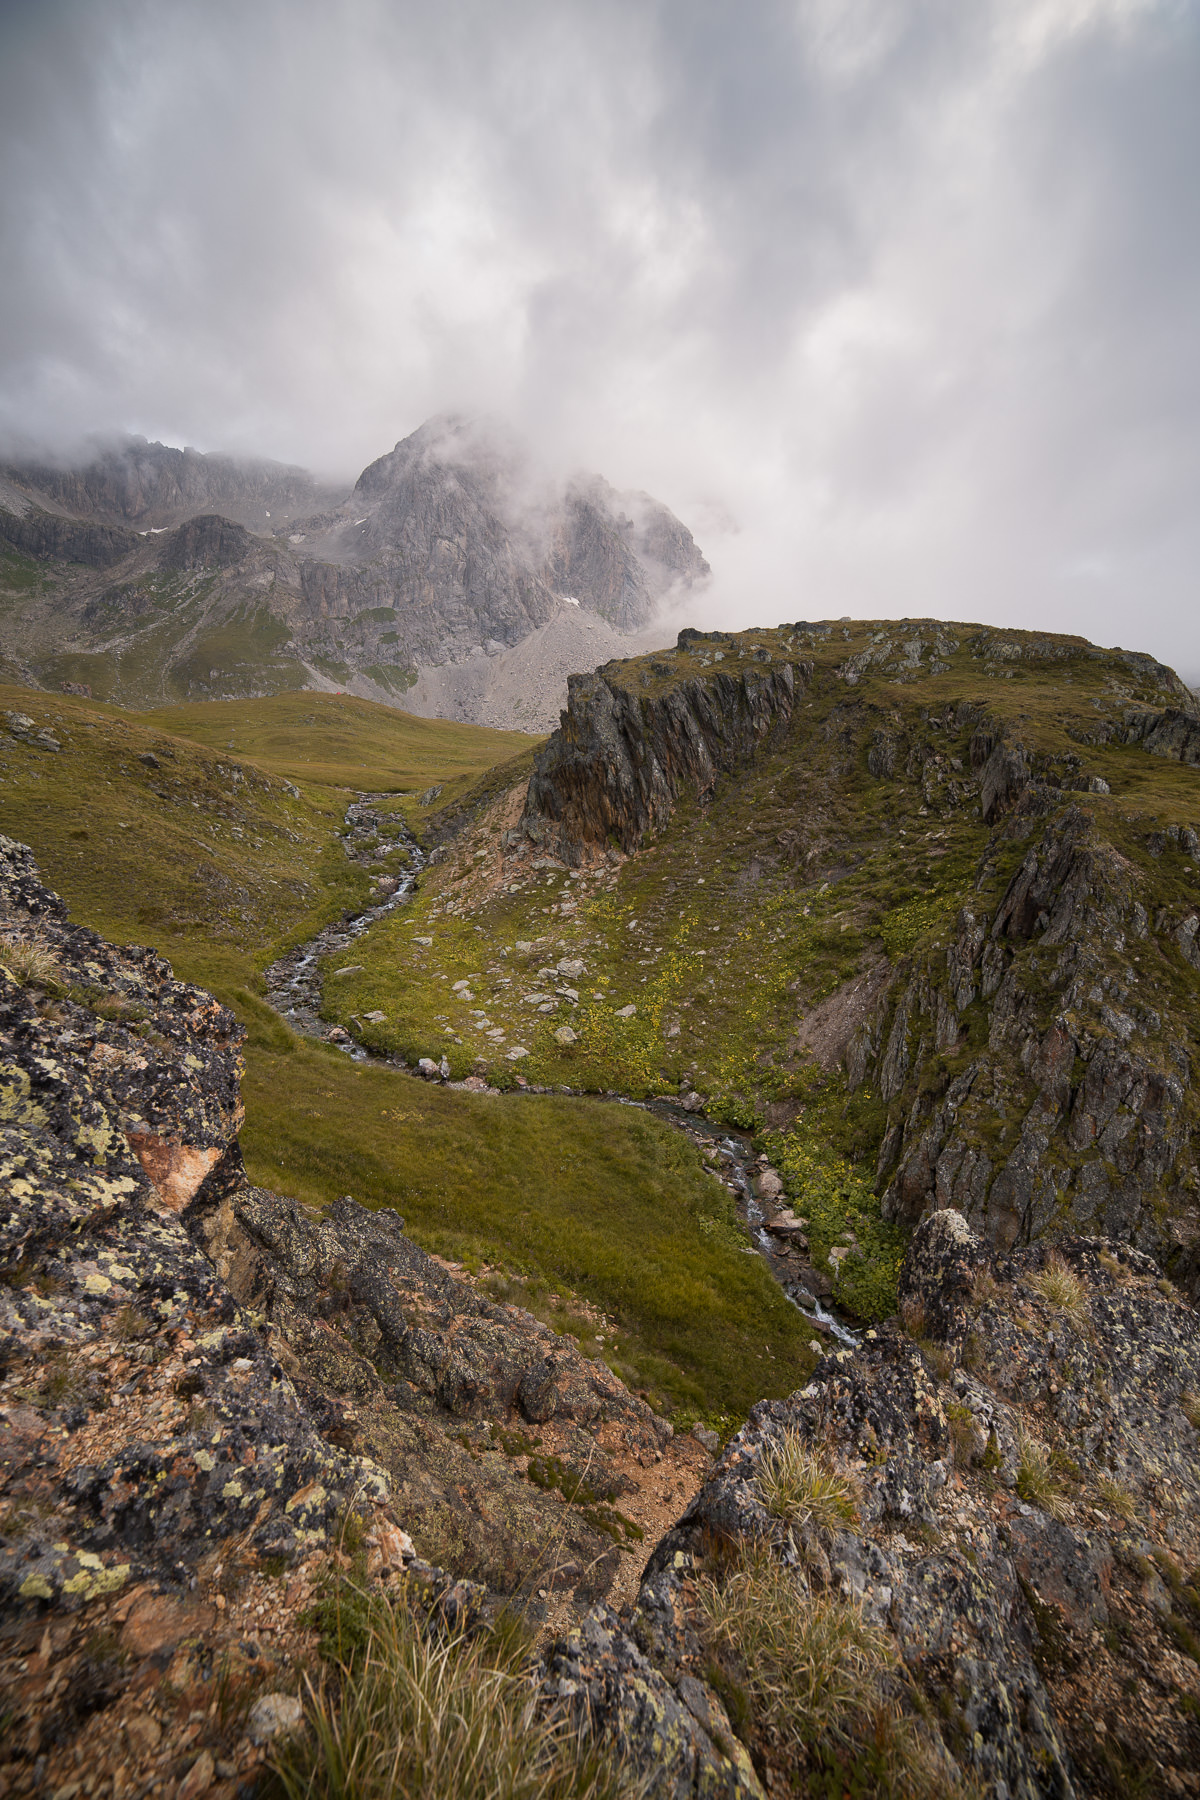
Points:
x=294 y=982
x=294 y=990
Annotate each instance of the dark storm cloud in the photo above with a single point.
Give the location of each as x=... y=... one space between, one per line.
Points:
x=905 y=289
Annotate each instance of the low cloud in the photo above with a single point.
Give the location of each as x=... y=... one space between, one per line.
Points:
x=895 y=303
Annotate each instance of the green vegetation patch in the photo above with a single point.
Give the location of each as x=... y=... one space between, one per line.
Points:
x=598 y=1199
x=847 y=1233
x=201 y=854
x=251 y=649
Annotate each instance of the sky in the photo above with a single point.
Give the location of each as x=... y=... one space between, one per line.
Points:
x=895 y=302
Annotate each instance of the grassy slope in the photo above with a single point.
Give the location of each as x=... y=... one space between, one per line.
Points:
x=568 y=1196
x=747 y=912
x=336 y=739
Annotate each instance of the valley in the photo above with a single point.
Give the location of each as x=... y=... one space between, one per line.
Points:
x=873 y=947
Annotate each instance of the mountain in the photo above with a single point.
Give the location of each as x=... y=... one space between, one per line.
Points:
x=130 y=482
x=149 y=574
x=925 y=893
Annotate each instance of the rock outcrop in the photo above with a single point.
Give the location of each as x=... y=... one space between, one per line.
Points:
x=1073 y=1108
x=613 y=770
x=1018 y=1484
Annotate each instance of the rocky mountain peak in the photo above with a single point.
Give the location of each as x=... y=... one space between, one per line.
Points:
x=453 y=544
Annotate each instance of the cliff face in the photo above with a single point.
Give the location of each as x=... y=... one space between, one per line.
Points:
x=1038 y=1063
x=45 y=535
x=614 y=769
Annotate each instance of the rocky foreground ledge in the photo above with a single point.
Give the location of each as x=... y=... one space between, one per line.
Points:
x=963 y=1560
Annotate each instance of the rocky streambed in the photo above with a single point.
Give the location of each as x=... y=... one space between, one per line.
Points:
x=373 y=835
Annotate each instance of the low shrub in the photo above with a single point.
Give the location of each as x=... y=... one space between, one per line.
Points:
x=838 y=1202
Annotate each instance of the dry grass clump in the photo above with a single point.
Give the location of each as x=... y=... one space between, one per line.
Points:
x=444 y=1715
x=1117 y=1497
x=799 y=1484
x=1189 y=1402
x=914 y=1318
x=1037 y=1481
x=985 y=1289
x=30 y=959
x=1062 y=1288
x=808 y=1663
x=1113 y=1266
x=817 y=1689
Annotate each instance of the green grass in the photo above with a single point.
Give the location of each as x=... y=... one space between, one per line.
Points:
x=579 y=1195
x=217 y=872
x=339 y=741
x=842 y=1208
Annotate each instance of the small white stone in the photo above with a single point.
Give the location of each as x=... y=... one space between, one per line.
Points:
x=271 y=1715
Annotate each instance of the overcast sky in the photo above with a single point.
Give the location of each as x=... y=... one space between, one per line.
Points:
x=896 y=302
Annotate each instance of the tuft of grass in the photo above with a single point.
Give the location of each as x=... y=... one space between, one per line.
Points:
x=1117 y=1497
x=30 y=959
x=447 y=1716
x=1063 y=1289
x=131 y=1325
x=985 y=1289
x=963 y=1434
x=808 y=1664
x=1189 y=1405
x=1037 y=1481
x=799 y=1484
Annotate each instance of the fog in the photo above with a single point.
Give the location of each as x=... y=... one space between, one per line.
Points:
x=893 y=301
